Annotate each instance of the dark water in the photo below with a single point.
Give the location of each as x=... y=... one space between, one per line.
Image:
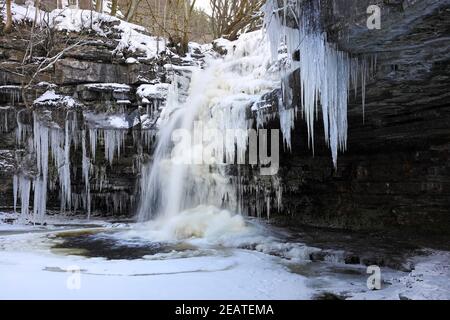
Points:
x=104 y=245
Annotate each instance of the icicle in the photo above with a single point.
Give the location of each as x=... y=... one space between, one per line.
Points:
x=325 y=73
x=66 y=193
x=15 y=191
x=41 y=149
x=60 y=143
x=21 y=129
x=114 y=140
x=86 y=170
x=24 y=187
x=93 y=142
x=287 y=123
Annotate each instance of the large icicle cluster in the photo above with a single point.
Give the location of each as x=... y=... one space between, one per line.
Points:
x=326 y=74
x=49 y=144
x=45 y=141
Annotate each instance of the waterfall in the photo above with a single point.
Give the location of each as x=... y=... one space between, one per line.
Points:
x=189 y=166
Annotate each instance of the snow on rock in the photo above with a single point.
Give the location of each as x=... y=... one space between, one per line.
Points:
x=107 y=121
x=131 y=61
x=134 y=40
x=10 y=87
x=132 y=36
x=50 y=98
x=153 y=91
x=116 y=87
x=222 y=45
x=123 y=102
x=430 y=278
x=46 y=84
x=118 y=122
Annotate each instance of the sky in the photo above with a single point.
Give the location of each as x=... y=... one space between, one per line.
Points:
x=204 y=4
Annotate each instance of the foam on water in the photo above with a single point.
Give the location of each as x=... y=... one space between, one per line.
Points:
x=203 y=222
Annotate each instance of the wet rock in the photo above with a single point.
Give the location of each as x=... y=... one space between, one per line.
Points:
x=352 y=259
x=329 y=296
x=317 y=256
x=403 y=296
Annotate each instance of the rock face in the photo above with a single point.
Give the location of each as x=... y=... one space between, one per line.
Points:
x=97 y=87
x=396 y=172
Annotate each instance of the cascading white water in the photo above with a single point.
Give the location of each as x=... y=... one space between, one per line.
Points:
x=181 y=176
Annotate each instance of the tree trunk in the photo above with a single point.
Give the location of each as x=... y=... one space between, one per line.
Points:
x=132 y=10
x=114 y=8
x=8 y=23
x=85 y=4
x=99 y=5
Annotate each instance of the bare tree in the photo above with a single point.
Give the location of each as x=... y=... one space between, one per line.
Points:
x=8 y=24
x=173 y=19
x=45 y=48
x=99 y=5
x=85 y=4
x=229 y=17
x=132 y=9
x=114 y=8
x=189 y=6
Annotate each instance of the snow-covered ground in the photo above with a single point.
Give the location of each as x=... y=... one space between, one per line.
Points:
x=239 y=260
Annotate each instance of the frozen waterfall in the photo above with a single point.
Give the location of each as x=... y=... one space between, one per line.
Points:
x=220 y=97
